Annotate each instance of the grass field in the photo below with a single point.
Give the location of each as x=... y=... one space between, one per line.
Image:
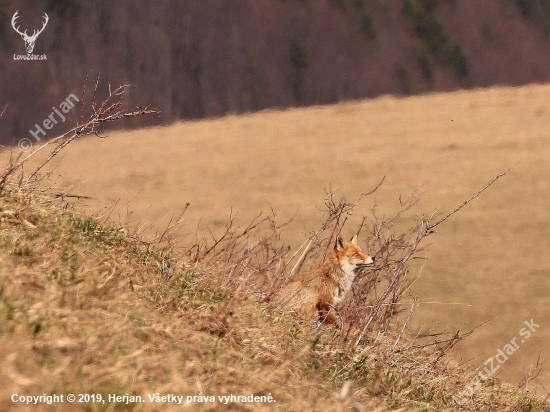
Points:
x=489 y=264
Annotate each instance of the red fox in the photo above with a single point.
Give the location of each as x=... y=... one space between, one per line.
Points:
x=319 y=292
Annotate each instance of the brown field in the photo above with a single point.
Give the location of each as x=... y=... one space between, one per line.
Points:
x=489 y=263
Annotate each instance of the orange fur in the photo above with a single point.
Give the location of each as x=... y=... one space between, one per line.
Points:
x=319 y=292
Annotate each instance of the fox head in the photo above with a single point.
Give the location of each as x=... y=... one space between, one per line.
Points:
x=350 y=256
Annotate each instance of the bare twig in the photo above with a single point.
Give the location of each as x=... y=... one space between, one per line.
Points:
x=533 y=373
x=109 y=110
x=480 y=191
x=64 y=195
x=409 y=244
x=173 y=223
x=456 y=337
x=413 y=306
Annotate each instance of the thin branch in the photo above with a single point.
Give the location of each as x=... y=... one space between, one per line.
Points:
x=64 y=195
x=109 y=110
x=52 y=154
x=455 y=337
x=373 y=190
x=534 y=372
x=413 y=306
x=431 y=227
x=171 y=225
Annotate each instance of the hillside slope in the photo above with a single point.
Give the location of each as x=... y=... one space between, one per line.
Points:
x=489 y=263
x=205 y=59
x=90 y=311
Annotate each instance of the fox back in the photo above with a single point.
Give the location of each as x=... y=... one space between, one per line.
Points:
x=318 y=293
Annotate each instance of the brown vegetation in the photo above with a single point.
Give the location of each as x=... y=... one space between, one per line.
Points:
x=96 y=309
x=92 y=309
x=489 y=264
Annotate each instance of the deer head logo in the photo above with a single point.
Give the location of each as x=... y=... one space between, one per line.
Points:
x=29 y=40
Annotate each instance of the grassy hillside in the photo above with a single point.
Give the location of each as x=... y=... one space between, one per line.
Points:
x=487 y=265
x=128 y=311
x=91 y=309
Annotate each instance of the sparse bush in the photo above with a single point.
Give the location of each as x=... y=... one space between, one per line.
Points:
x=259 y=264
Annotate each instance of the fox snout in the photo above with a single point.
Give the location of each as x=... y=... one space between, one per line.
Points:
x=365 y=262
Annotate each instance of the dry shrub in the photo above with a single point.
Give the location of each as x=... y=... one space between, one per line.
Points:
x=256 y=263
x=86 y=308
x=371 y=345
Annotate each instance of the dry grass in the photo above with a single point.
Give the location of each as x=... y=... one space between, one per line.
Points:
x=91 y=309
x=488 y=265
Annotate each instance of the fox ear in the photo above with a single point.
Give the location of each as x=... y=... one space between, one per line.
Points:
x=354 y=239
x=339 y=246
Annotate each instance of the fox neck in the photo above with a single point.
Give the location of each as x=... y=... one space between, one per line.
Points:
x=342 y=273
x=349 y=276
